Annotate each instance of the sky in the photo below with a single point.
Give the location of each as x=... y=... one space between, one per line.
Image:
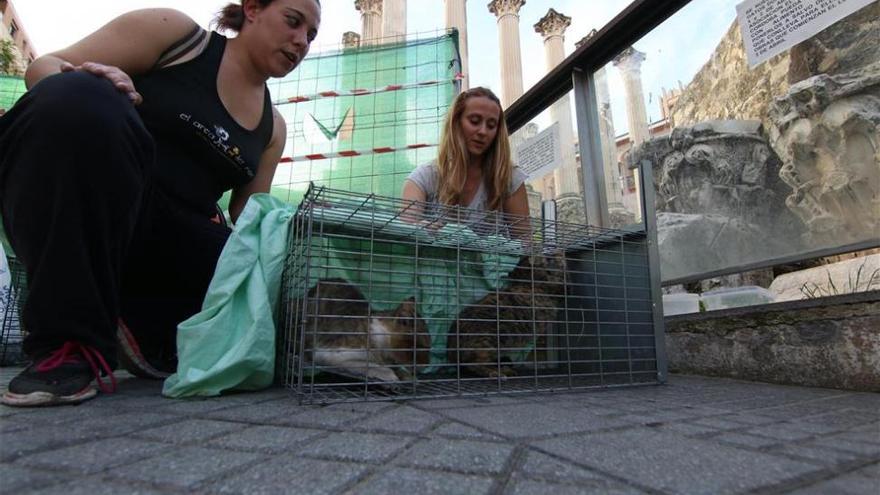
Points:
x=675 y=50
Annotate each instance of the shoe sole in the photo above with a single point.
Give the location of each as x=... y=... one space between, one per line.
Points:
x=41 y=399
x=130 y=357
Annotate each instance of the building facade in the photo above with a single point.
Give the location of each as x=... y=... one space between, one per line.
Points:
x=11 y=28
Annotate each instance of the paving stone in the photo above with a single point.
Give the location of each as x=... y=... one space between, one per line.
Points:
x=401 y=419
x=287 y=474
x=816 y=454
x=189 y=430
x=269 y=439
x=93 y=457
x=842 y=442
x=530 y=420
x=458 y=430
x=98 y=486
x=848 y=484
x=529 y=487
x=474 y=401
x=15 y=479
x=272 y=411
x=185 y=467
x=423 y=482
x=781 y=431
x=465 y=456
x=323 y=417
x=721 y=423
x=687 y=429
x=540 y=466
x=18 y=443
x=359 y=447
x=744 y=440
x=675 y=464
x=844 y=419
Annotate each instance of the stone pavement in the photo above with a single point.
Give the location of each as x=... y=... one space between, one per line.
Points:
x=694 y=435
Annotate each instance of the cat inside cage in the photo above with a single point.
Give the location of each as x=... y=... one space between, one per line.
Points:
x=378 y=307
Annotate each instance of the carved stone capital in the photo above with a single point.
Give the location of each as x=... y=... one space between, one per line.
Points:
x=586 y=38
x=502 y=8
x=350 y=39
x=552 y=24
x=629 y=60
x=369 y=7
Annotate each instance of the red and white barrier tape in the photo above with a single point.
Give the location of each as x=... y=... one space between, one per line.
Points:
x=351 y=153
x=361 y=92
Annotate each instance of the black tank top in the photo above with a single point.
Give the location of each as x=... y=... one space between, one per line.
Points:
x=201 y=151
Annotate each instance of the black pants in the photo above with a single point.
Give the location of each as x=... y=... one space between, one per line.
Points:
x=97 y=237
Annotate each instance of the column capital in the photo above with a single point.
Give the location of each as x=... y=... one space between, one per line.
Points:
x=579 y=43
x=552 y=24
x=367 y=7
x=351 y=39
x=629 y=60
x=502 y=8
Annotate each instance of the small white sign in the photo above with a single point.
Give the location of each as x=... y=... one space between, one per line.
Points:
x=770 y=27
x=541 y=154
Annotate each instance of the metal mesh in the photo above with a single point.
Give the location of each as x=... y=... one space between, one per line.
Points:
x=12 y=298
x=388 y=299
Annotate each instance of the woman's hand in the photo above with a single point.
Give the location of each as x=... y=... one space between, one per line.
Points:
x=121 y=81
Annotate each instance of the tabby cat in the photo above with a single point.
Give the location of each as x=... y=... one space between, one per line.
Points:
x=508 y=319
x=344 y=337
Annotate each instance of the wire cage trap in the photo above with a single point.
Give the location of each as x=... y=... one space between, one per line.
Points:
x=386 y=299
x=11 y=300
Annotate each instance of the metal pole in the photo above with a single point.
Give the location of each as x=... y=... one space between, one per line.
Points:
x=590 y=144
x=649 y=217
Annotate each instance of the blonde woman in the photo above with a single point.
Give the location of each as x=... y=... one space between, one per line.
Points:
x=473 y=167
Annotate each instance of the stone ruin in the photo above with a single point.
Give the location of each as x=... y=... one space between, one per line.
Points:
x=826 y=129
x=718 y=196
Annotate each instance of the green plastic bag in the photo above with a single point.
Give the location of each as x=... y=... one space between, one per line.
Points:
x=230 y=344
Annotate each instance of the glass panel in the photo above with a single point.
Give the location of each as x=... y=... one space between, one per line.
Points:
x=546 y=150
x=751 y=163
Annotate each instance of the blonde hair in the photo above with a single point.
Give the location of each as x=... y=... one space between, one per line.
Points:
x=452 y=159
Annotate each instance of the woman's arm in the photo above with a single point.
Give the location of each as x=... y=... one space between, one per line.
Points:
x=516 y=211
x=413 y=199
x=262 y=182
x=128 y=45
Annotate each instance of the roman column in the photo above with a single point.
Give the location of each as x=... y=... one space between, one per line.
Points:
x=371 y=20
x=613 y=193
x=629 y=63
x=456 y=17
x=394 y=21
x=507 y=12
x=552 y=28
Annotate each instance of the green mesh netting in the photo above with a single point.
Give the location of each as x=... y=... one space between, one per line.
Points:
x=11 y=89
x=368 y=114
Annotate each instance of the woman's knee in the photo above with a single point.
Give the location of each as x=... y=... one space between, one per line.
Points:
x=78 y=98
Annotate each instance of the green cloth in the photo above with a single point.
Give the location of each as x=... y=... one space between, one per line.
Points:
x=230 y=344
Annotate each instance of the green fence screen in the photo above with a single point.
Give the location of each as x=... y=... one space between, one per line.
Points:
x=11 y=89
x=361 y=118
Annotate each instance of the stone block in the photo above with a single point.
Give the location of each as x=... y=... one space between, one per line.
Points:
x=424 y=482
x=287 y=474
x=186 y=467
x=464 y=456
x=357 y=447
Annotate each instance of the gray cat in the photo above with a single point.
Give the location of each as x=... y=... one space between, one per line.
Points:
x=344 y=337
x=509 y=319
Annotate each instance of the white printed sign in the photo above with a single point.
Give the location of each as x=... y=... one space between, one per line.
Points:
x=539 y=155
x=770 y=27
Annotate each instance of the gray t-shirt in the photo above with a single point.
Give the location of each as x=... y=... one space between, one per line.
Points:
x=427 y=177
